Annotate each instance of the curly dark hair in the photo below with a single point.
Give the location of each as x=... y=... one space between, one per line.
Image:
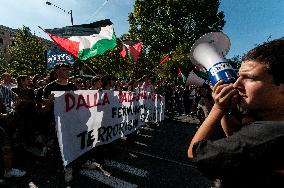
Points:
x=271 y=54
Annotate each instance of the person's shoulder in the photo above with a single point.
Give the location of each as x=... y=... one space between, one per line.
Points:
x=51 y=84
x=14 y=89
x=40 y=88
x=264 y=129
x=31 y=90
x=268 y=123
x=72 y=86
x=70 y=83
x=3 y=87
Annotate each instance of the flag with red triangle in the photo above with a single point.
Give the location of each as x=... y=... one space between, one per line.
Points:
x=132 y=50
x=86 y=40
x=181 y=75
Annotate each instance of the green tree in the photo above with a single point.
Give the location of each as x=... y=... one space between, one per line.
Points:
x=111 y=63
x=3 y=64
x=172 y=25
x=27 y=54
x=235 y=61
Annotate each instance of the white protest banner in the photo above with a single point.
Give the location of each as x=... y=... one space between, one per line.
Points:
x=87 y=118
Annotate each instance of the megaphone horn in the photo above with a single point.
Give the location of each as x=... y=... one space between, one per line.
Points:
x=209 y=51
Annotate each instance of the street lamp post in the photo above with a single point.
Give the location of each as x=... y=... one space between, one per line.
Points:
x=69 y=12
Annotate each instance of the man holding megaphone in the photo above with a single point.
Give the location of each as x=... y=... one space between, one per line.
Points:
x=250 y=156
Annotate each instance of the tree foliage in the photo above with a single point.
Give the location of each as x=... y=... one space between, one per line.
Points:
x=173 y=25
x=111 y=63
x=27 y=54
x=235 y=61
x=162 y=25
x=3 y=63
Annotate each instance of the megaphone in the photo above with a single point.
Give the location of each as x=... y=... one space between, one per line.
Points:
x=194 y=79
x=209 y=51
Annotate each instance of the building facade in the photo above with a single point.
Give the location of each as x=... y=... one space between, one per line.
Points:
x=7 y=39
x=7 y=36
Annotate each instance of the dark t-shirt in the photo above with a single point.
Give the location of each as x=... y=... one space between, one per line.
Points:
x=54 y=86
x=4 y=139
x=252 y=157
x=27 y=94
x=39 y=94
x=186 y=94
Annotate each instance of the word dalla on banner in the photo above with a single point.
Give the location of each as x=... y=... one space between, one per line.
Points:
x=102 y=98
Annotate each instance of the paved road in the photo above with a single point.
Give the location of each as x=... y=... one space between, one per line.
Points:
x=154 y=157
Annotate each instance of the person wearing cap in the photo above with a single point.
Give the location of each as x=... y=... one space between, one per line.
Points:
x=62 y=71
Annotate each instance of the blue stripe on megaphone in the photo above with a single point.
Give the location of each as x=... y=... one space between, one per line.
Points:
x=222 y=71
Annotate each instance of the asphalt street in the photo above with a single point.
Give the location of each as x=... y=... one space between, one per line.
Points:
x=156 y=156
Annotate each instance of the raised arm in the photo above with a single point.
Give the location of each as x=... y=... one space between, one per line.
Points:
x=222 y=94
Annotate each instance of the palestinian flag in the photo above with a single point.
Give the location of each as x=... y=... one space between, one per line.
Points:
x=199 y=71
x=166 y=58
x=86 y=40
x=180 y=75
x=131 y=49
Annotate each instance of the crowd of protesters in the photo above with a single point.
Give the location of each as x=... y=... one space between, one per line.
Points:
x=26 y=106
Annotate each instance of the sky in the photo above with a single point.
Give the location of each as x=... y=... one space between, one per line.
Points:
x=248 y=22
x=34 y=13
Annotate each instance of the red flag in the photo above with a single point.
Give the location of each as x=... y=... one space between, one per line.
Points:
x=133 y=50
x=166 y=58
x=123 y=51
x=179 y=72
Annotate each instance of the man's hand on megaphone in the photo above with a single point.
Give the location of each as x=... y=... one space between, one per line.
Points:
x=223 y=95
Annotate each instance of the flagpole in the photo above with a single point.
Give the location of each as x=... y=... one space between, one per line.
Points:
x=69 y=12
x=84 y=64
